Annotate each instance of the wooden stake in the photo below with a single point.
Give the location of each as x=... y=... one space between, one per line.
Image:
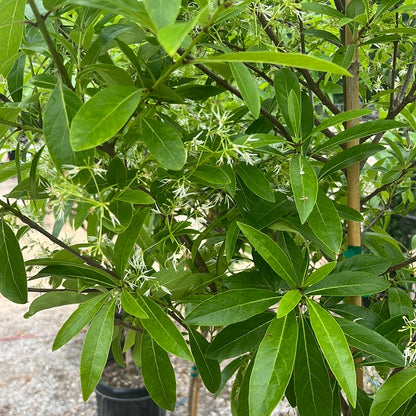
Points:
x=352 y=102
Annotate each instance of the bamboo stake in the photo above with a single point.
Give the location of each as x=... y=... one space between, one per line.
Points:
x=352 y=102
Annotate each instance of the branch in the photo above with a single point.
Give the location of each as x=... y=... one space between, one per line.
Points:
x=401 y=265
x=40 y=22
x=57 y=241
x=23 y=127
x=265 y=24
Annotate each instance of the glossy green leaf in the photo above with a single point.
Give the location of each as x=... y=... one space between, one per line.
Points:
x=239 y=338
x=231 y=306
x=400 y=303
x=335 y=348
x=54 y=299
x=12 y=13
x=136 y=196
x=163 y=330
x=127 y=239
x=78 y=320
x=231 y=237
x=394 y=393
x=8 y=114
x=131 y=306
x=312 y=383
x=320 y=273
x=347 y=213
x=210 y=175
x=172 y=36
x=208 y=368
x=100 y=118
x=304 y=185
x=297 y=60
x=288 y=302
x=158 y=373
x=362 y=316
x=255 y=180
x=363 y=404
x=13 y=281
x=322 y=9
x=273 y=365
x=228 y=372
x=364 y=263
x=349 y=283
x=97 y=343
x=116 y=172
x=161 y=12
x=164 y=143
x=348 y=157
x=323 y=34
x=59 y=112
x=275 y=257
x=384 y=6
x=371 y=342
x=360 y=131
x=247 y=86
x=15 y=79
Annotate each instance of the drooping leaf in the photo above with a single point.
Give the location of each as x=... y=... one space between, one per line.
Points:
x=296 y=60
x=335 y=348
x=100 y=118
x=325 y=223
x=162 y=329
x=239 y=338
x=363 y=404
x=349 y=283
x=231 y=306
x=131 y=306
x=247 y=87
x=348 y=157
x=304 y=185
x=394 y=393
x=78 y=320
x=164 y=143
x=288 y=302
x=311 y=377
x=161 y=12
x=228 y=372
x=273 y=365
x=400 y=303
x=95 y=349
x=127 y=239
x=271 y=252
x=15 y=79
x=208 y=368
x=158 y=373
x=7 y=114
x=12 y=13
x=13 y=281
x=370 y=341
x=255 y=180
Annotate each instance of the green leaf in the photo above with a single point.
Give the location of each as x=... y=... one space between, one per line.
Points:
x=100 y=118
x=288 y=302
x=304 y=185
x=210 y=175
x=383 y=7
x=255 y=180
x=135 y=196
x=231 y=306
x=323 y=34
x=208 y=368
x=54 y=299
x=349 y=283
x=239 y=338
x=335 y=348
x=12 y=14
x=311 y=376
x=78 y=320
x=15 y=79
x=320 y=273
x=116 y=172
x=59 y=112
x=230 y=241
x=371 y=342
x=164 y=143
x=127 y=239
x=394 y=393
x=322 y=9
x=400 y=303
x=161 y=12
x=362 y=316
x=172 y=36
x=7 y=114
x=325 y=223
x=95 y=349
x=363 y=404
x=158 y=373
x=364 y=263
x=13 y=281
x=360 y=131
x=348 y=157
x=131 y=306
x=162 y=329
x=228 y=372
x=273 y=365
x=275 y=257
x=247 y=86
x=297 y=60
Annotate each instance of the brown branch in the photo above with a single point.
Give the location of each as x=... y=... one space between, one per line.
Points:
x=119 y=322
x=401 y=265
x=265 y=23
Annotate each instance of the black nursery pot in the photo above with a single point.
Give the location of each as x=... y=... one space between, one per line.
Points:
x=113 y=401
